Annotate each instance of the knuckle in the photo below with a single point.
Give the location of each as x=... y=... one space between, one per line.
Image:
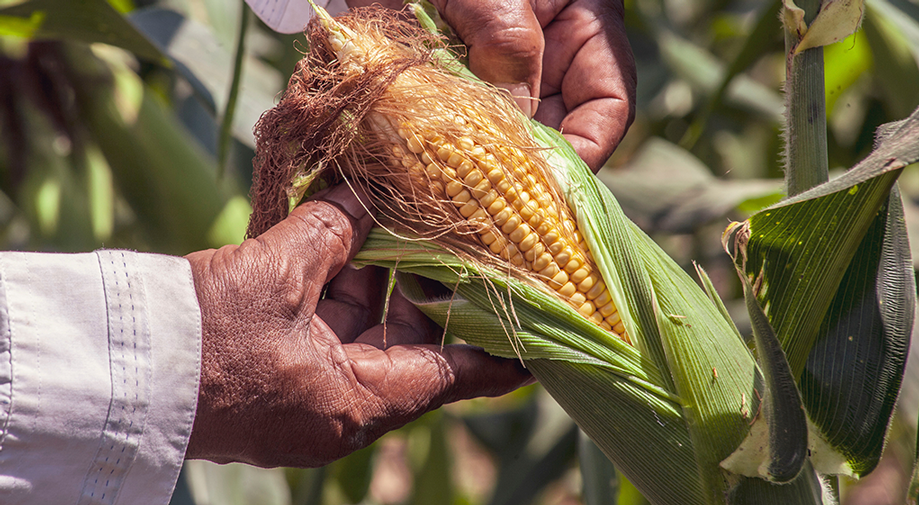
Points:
x=328 y=230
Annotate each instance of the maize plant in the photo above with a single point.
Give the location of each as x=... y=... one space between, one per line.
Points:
x=540 y=261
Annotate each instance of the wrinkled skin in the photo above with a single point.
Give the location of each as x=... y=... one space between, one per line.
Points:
x=293 y=378
x=567 y=62
x=289 y=379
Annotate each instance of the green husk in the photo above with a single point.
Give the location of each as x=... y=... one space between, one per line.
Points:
x=668 y=410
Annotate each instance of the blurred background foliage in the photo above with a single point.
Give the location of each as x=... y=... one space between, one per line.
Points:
x=115 y=133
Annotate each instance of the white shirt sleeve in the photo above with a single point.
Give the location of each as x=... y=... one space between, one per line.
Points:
x=99 y=367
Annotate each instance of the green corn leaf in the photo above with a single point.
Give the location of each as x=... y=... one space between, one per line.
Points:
x=796 y=251
x=700 y=354
x=680 y=328
x=808 y=488
x=776 y=448
x=853 y=373
x=831 y=268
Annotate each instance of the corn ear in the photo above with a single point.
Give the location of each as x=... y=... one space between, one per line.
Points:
x=668 y=398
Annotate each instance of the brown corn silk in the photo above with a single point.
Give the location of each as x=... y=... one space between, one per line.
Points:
x=446 y=158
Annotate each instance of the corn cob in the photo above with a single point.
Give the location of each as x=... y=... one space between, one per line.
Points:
x=449 y=161
x=513 y=211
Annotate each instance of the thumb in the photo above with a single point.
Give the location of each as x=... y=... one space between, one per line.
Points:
x=326 y=232
x=505 y=44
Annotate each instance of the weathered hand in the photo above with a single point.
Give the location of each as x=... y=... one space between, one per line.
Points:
x=294 y=370
x=568 y=62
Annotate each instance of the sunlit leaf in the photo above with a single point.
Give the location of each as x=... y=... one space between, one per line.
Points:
x=777 y=446
x=843 y=65
x=799 y=249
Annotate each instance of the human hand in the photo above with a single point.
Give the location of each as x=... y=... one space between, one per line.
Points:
x=293 y=378
x=567 y=62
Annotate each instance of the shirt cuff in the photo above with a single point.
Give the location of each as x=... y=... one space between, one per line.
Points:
x=99 y=367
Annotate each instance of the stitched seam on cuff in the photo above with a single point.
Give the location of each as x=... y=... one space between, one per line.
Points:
x=130 y=361
x=6 y=363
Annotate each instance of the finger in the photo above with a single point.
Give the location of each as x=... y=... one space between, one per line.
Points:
x=405 y=324
x=504 y=42
x=331 y=227
x=404 y=382
x=589 y=81
x=353 y=301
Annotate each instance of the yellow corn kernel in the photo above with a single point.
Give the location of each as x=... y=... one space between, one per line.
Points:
x=515 y=216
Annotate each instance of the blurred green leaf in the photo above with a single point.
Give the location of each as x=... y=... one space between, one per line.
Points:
x=229 y=110
x=208 y=66
x=895 y=63
x=76 y=20
x=706 y=73
x=306 y=484
x=533 y=478
x=101 y=194
x=53 y=196
x=433 y=483
x=904 y=14
x=666 y=188
x=229 y=226
x=505 y=433
x=600 y=481
x=843 y=64
x=539 y=449
x=754 y=46
x=169 y=181
x=235 y=484
x=354 y=473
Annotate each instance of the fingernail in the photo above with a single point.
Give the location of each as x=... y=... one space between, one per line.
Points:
x=523 y=96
